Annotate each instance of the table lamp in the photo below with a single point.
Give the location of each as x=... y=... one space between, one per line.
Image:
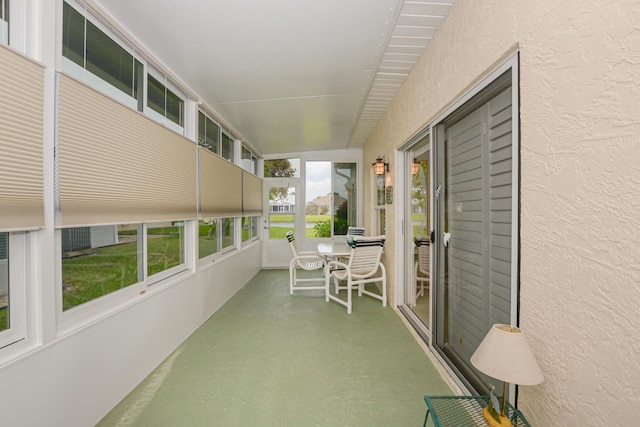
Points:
x=504 y=354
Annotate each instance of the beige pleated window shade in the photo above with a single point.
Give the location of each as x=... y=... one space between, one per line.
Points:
x=220 y=187
x=251 y=194
x=21 y=136
x=118 y=166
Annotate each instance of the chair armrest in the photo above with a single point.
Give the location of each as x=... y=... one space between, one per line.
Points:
x=340 y=265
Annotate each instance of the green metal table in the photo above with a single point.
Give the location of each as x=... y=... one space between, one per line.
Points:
x=463 y=411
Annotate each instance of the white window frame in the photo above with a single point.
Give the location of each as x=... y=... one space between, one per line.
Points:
x=103 y=305
x=378 y=209
x=82 y=74
x=18 y=277
x=220 y=251
x=168 y=84
x=253 y=237
x=164 y=274
x=4 y=23
x=90 y=79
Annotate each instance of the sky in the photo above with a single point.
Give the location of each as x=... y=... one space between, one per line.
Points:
x=318 y=180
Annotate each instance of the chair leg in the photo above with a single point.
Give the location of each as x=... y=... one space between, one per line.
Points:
x=349 y=302
x=384 y=290
x=327 y=281
x=292 y=279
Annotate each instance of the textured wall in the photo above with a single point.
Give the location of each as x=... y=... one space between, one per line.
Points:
x=580 y=185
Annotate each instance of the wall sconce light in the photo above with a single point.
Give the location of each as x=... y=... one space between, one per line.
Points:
x=414 y=168
x=380 y=167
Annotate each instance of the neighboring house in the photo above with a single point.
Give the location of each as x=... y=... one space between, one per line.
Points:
x=281 y=207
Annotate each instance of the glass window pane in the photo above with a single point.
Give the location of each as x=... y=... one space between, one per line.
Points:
x=107 y=60
x=208 y=133
x=227 y=147
x=213 y=136
x=4 y=22
x=228 y=235
x=4 y=281
x=282 y=168
x=138 y=72
x=73 y=35
x=175 y=107
x=420 y=200
x=318 y=199
x=98 y=260
x=155 y=94
x=282 y=205
x=246 y=228
x=380 y=190
x=254 y=227
x=202 y=130
x=248 y=160
x=207 y=237
x=165 y=246
x=345 y=201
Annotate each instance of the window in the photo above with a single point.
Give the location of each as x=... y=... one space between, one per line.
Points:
x=163 y=101
x=282 y=168
x=331 y=198
x=249 y=161
x=12 y=287
x=4 y=21
x=94 y=56
x=4 y=281
x=249 y=228
x=228 y=233
x=345 y=192
x=380 y=209
x=99 y=260
x=215 y=235
x=165 y=249
x=208 y=133
x=227 y=147
x=84 y=44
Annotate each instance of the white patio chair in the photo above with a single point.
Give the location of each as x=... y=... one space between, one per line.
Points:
x=421 y=270
x=362 y=268
x=306 y=260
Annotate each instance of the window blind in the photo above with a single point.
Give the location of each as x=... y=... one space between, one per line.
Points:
x=117 y=166
x=251 y=194
x=21 y=136
x=220 y=186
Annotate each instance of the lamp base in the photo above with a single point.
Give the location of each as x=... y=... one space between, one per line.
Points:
x=504 y=420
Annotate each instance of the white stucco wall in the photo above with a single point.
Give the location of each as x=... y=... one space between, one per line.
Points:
x=580 y=185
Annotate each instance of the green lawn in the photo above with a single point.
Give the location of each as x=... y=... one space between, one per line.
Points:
x=105 y=270
x=3 y=318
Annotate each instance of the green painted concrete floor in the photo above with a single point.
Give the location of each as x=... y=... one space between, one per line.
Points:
x=272 y=359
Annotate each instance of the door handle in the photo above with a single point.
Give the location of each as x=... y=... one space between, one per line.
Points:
x=445 y=239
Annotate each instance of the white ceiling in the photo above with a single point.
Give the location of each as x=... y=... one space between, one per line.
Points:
x=288 y=75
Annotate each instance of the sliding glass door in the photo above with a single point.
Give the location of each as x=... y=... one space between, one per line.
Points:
x=418 y=215
x=475 y=235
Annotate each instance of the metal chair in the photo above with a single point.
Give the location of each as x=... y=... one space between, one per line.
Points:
x=361 y=269
x=308 y=261
x=421 y=270
x=352 y=232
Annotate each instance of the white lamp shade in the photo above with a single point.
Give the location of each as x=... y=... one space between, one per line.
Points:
x=505 y=354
